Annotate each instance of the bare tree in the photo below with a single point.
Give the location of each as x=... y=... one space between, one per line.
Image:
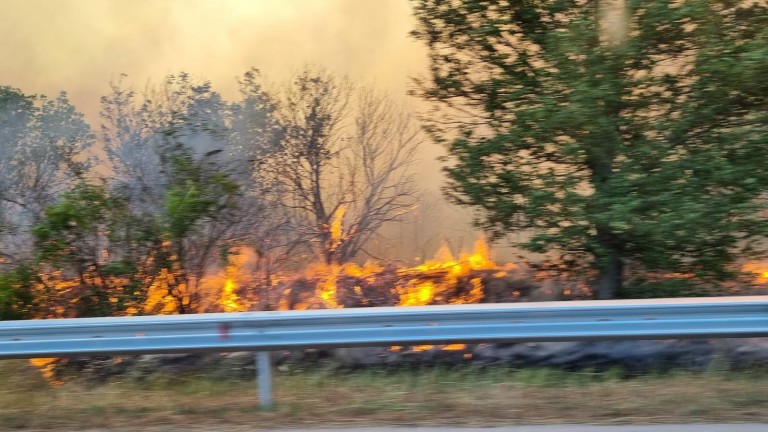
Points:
x=344 y=162
x=382 y=148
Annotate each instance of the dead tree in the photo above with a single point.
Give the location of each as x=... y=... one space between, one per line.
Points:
x=344 y=162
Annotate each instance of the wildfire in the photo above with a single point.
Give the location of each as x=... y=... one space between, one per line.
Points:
x=326 y=289
x=445 y=279
x=417 y=295
x=337 y=227
x=47 y=367
x=229 y=299
x=758 y=269
x=159 y=300
x=328 y=273
x=420 y=293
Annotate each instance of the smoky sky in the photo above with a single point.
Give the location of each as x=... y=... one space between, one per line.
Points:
x=80 y=45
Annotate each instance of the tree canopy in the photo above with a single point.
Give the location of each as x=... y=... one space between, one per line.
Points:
x=43 y=145
x=616 y=133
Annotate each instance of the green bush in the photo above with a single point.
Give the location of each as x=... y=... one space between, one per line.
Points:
x=17 y=299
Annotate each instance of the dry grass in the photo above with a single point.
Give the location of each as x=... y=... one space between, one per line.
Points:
x=427 y=396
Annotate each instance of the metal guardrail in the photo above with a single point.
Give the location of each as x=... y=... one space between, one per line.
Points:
x=266 y=331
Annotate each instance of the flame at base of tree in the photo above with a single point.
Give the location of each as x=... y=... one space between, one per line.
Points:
x=473 y=277
x=759 y=270
x=159 y=299
x=424 y=292
x=444 y=279
x=229 y=300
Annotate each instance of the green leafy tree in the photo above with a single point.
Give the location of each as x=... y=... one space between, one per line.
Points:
x=17 y=293
x=617 y=133
x=196 y=196
x=94 y=257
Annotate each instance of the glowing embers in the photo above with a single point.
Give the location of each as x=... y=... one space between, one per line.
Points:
x=442 y=280
x=446 y=279
x=758 y=269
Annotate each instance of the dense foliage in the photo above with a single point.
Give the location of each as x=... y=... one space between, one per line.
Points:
x=616 y=133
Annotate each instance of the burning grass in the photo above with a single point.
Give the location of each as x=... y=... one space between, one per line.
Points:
x=433 y=396
x=467 y=277
x=459 y=396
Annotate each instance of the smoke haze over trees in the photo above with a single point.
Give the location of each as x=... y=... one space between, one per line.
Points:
x=42 y=154
x=614 y=137
x=192 y=177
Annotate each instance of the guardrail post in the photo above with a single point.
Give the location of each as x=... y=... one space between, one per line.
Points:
x=264 y=378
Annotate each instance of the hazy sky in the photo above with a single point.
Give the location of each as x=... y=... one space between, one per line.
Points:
x=79 y=45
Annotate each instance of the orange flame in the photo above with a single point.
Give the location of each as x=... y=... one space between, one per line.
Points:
x=337 y=227
x=329 y=273
x=326 y=288
x=158 y=298
x=426 y=292
x=47 y=367
x=758 y=269
x=229 y=299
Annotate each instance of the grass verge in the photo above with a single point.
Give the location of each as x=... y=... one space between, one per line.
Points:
x=429 y=396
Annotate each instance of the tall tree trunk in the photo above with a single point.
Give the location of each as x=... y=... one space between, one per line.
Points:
x=609 y=279
x=610 y=265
